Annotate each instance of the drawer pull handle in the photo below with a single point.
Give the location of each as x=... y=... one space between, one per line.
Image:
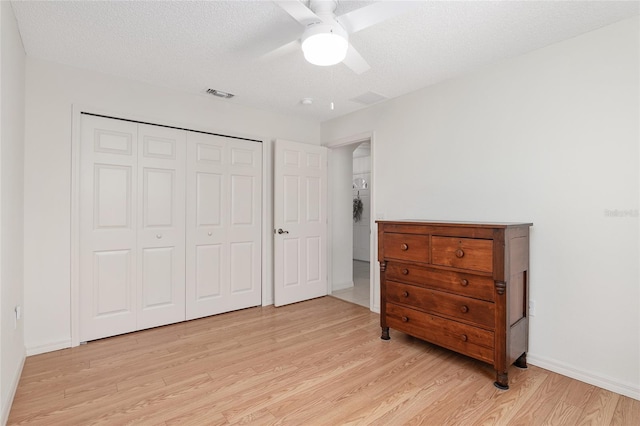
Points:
x=405 y=319
x=464 y=337
x=464 y=309
x=459 y=253
x=404 y=247
x=405 y=293
x=464 y=282
x=405 y=272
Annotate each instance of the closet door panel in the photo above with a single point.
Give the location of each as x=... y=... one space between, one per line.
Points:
x=208 y=272
x=108 y=220
x=224 y=205
x=245 y=225
x=242 y=265
x=158 y=277
x=208 y=199
x=161 y=243
x=112 y=284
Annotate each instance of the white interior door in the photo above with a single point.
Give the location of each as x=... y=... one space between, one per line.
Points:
x=224 y=227
x=161 y=222
x=300 y=220
x=108 y=223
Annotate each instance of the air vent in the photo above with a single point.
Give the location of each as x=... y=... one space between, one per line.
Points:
x=220 y=93
x=368 y=98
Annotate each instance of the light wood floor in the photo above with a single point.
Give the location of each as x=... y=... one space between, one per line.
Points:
x=319 y=362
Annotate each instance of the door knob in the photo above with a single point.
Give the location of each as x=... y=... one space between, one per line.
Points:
x=281 y=231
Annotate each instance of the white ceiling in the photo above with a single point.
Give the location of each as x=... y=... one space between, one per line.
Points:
x=192 y=46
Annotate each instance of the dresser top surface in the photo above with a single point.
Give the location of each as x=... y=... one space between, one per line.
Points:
x=452 y=223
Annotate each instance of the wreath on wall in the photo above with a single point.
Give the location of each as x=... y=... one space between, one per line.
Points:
x=358 y=207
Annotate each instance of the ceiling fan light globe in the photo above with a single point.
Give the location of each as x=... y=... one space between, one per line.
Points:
x=325 y=45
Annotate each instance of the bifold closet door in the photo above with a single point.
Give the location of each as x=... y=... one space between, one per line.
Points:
x=108 y=227
x=161 y=221
x=224 y=211
x=132 y=246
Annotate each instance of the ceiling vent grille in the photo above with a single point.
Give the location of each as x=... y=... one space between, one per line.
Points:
x=220 y=93
x=368 y=98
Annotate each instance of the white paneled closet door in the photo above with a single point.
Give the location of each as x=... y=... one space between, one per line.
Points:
x=108 y=227
x=161 y=222
x=224 y=210
x=132 y=244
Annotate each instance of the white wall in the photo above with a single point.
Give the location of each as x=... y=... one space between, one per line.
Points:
x=52 y=89
x=341 y=239
x=362 y=228
x=551 y=137
x=12 y=89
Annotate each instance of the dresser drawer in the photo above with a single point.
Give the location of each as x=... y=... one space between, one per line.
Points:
x=463 y=338
x=470 y=285
x=464 y=253
x=406 y=247
x=474 y=311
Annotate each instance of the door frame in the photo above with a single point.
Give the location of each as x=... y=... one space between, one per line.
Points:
x=76 y=120
x=374 y=290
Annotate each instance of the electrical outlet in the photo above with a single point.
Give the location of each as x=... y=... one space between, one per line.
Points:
x=532 y=308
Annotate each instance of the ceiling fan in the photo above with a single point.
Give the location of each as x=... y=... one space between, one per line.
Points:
x=325 y=40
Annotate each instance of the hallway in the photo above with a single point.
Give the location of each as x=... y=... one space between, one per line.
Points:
x=359 y=293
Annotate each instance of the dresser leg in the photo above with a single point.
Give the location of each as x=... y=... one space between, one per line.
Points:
x=385 y=333
x=502 y=381
x=521 y=362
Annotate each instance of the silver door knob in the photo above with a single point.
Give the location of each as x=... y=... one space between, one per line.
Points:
x=158 y=236
x=281 y=231
x=209 y=233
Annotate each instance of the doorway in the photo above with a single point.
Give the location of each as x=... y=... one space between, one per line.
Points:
x=356 y=172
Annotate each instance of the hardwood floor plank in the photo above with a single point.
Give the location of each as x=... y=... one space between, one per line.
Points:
x=262 y=398
x=537 y=407
x=204 y=414
x=418 y=409
x=599 y=408
x=627 y=412
x=506 y=404
x=563 y=414
x=442 y=371
x=304 y=412
x=319 y=362
x=578 y=393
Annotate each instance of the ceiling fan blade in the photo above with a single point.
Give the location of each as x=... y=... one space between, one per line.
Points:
x=355 y=61
x=298 y=11
x=368 y=16
x=285 y=49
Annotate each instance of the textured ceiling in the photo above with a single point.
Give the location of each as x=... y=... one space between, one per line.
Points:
x=225 y=45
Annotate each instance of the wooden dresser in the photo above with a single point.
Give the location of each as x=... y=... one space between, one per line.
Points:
x=462 y=286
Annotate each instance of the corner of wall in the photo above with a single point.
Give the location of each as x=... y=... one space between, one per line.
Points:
x=6 y=405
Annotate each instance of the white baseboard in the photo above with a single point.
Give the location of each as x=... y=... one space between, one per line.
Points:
x=341 y=286
x=6 y=406
x=49 y=347
x=623 y=388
